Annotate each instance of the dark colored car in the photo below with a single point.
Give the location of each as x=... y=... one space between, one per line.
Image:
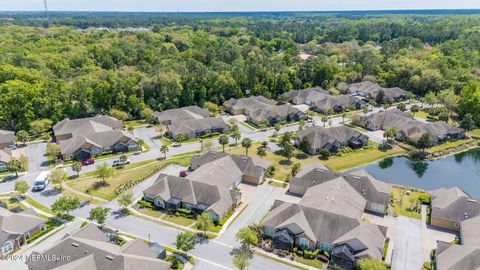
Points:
x=88 y=161
x=184 y=173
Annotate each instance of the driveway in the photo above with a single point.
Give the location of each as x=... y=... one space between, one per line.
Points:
x=255 y=211
x=407 y=253
x=37 y=161
x=149 y=136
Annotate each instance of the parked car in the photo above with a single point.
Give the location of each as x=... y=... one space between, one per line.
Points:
x=11 y=147
x=119 y=162
x=41 y=182
x=88 y=161
x=184 y=173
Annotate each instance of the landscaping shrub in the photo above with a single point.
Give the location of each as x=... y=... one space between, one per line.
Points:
x=184 y=213
x=424 y=198
x=145 y=204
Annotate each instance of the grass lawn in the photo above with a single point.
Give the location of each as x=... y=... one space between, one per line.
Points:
x=405 y=202
x=11 y=203
x=423 y=114
x=474 y=133
x=165 y=141
x=361 y=157
x=135 y=123
x=150 y=212
x=179 y=220
x=313 y=263
x=39 y=206
x=89 y=183
x=277 y=184
x=282 y=170
x=449 y=144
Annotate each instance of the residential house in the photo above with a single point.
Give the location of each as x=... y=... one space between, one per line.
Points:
x=197 y=127
x=17 y=228
x=171 y=193
x=320 y=100
x=338 y=103
x=190 y=122
x=5 y=157
x=466 y=255
x=7 y=138
x=172 y=116
x=370 y=90
x=260 y=110
x=333 y=138
x=210 y=187
x=451 y=206
x=309 y=96
x=90 y=248
x=375 y=192
x=92 y=136
x=252 y=169
x=409 y=129
x=328 y=217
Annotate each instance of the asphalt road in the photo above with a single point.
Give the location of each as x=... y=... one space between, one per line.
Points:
x=407 y=253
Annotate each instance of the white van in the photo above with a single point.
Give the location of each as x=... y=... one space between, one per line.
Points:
x=41 y=181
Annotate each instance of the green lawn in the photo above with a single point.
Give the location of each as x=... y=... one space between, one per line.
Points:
x=89 y=183
x=11 y=203
x=135 y=123
x=39 y=206
x=406 y=203
x=179 y=220
x=360 y=157
x=449 y=144
x=165 y=141
x=313 y=263
x=277 y=184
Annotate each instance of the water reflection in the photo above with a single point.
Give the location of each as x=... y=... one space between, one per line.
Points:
x=419 y=167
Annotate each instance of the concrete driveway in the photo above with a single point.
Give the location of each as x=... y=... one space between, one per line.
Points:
x=255 y=211
x=37 y=161
x=407 y=253
x=149 y=136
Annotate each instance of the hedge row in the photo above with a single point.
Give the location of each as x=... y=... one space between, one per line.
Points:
x=128 y=185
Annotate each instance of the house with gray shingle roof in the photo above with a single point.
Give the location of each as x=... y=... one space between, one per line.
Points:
x=465 y=255
x=409 y=129
x=89 y=248
x=451 y=206
x=211 y=186
x=333 y=139
x=5 y=157
x=17 y=228
x=375 y=192
x=93 y=136
x=260 y=110
x=328 y=217
x=191 y=122
x=321 y=100
x=7 y=138
x=370 y=90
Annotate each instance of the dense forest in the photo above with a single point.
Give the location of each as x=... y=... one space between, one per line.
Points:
x=88 y=63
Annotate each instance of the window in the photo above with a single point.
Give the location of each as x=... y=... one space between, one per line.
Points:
x=42 y=227
x=7 y=247
x=268 y=231
x=304 y=243
x=159 y=202
x=26 y=235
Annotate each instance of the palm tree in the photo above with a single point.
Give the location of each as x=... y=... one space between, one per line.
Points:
x=236 y=135
x=324 y=120
x=277 y=128
x=246 y=143
x=223 y=140
x=343 y=117
x=104 y=171
x=164 y=149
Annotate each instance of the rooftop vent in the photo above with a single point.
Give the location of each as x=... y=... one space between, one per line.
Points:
x=472 y=200
x=363 y=191
x=75 y=244
x=109 y=257
x=356 y=177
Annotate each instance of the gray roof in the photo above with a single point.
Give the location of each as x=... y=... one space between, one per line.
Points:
x=318 y=137
x=5 y=155
x=197 y=125
x=341 y=101
x=411 y=128
x=261 y=108
x=182 y=114
x=307 y=96
x=167 y=187
x=458 y=257
x=365 y=184
x=7 y=137
x=328 y=213
x=17 y=223
x=368 y=238
x=101 y=131
x=371 y=90
x=469 y=231
x=88 y=253
x=453 y=204
x=250 y=166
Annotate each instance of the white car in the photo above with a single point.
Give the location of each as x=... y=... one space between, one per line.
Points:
x=119 y=162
